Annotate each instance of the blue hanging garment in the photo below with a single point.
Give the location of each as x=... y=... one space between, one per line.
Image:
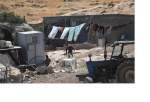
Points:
x=78 y=30
x=71 y=33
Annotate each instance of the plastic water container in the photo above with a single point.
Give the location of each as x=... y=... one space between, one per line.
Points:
x=70 y=64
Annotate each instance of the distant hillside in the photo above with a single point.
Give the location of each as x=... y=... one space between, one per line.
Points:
x=34 y=10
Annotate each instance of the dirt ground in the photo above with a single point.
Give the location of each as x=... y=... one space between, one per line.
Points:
x=60 y=78
x=57 y=72
x=35 y=10
x=81 y=71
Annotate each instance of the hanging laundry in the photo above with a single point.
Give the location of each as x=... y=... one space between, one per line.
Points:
x=95 y=27
x=60 y=30
x=100 y=32
x=53 y=32
x=108 y=30
x=78 y=30
x=66 y=30
x=71 y=33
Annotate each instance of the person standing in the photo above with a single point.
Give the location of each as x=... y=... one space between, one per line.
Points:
x=69 y=51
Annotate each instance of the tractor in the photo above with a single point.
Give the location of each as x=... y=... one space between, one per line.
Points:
x=119 y=68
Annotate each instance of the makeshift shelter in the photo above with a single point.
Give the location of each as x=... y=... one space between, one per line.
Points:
x=119 y=24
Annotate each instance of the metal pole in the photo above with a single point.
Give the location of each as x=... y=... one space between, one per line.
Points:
x=89 y=29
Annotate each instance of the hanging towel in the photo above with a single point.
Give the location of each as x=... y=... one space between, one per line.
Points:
x=71 y=33
x=53 y=32
x=77 y=31
x=66 y=30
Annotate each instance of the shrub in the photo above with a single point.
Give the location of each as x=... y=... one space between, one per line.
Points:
x=10 y=17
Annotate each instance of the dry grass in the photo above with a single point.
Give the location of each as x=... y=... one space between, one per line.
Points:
x=34 y=10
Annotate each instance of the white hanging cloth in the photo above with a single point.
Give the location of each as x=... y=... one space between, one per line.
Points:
x=53 y=32
x=65 y=32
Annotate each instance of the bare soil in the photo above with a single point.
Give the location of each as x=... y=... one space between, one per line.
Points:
x=81 y=57
x=34 y=10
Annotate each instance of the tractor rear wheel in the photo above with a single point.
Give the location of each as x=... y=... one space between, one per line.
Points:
x=125 y=72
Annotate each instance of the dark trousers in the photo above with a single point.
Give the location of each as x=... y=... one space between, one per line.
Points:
x=70 y=54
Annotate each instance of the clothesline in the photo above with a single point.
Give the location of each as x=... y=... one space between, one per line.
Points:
x=71 y=32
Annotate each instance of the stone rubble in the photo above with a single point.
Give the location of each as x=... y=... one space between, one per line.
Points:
x=126 y=7
x=56 y=72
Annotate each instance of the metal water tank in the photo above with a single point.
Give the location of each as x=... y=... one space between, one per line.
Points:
x=32 y=43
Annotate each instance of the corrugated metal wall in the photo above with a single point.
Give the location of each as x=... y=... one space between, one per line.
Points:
x=122 y=24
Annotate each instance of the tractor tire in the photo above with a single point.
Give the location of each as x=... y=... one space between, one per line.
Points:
x=125 y=72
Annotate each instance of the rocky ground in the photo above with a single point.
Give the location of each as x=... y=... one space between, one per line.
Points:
x=56 y=71
x=62 y=76
x=124 y=7
x=81 y=56
x=34 y=10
